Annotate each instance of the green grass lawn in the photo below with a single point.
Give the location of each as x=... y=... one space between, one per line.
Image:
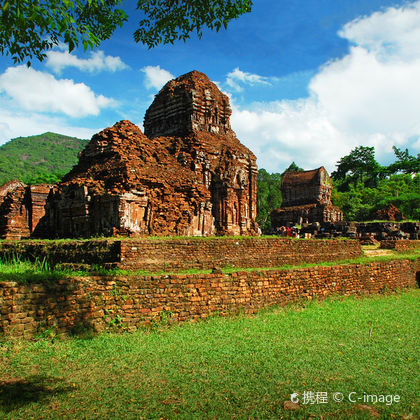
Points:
x=238 y=367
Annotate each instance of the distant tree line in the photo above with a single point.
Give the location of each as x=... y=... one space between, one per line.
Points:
x=361 y=186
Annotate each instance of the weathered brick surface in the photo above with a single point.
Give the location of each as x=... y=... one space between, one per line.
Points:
x=133 y=301
x=306 y=199
x=389 y=212
x=99 y=252
x=400 y=245
x=189 y=175
x=21 y=208
x=182 y=254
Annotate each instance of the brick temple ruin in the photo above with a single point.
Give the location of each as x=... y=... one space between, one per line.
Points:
x=21 y=208
x=306 y=199
x=187 y=174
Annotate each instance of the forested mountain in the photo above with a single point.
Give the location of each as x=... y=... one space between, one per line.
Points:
x=45 y=158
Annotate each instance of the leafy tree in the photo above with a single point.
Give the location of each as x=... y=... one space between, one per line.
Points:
x=269 y=197
x=170 y=20
x=362 y=186
x=293 y=168
x=360 y=166
x=29 y=28
x=405 y=162
x=361 y=203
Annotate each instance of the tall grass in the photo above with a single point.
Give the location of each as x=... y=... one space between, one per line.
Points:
x=15 y=268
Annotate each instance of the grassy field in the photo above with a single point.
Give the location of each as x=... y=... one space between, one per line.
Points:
x=239 y=367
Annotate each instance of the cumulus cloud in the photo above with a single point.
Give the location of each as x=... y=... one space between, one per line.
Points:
x=395 y=33
x=38 y=91
x=15 y=124
x=236 y=78
x=98 y=61
x=155 y=77
x=369 y=97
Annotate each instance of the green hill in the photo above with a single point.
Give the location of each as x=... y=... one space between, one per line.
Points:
x=45 y=158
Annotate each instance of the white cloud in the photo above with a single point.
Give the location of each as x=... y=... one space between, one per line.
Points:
x=237 y=77
x=98 y=61
x=395 y=33
x=155 y=77
x=369 y=97
x=38 y=91
x=15 y=124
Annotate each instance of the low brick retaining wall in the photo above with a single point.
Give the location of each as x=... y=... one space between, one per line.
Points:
x=182 y=254
x=129 y=302
x=170 y=254
x=100 y=252
x=401 y=245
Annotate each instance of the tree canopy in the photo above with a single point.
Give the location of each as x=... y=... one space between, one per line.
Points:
x=268 y=197
x=361 y=167
x=358 y=166
x=170 y=20
x=363 y=186
x=293 y=168
x=29 y=28
x=405 y=163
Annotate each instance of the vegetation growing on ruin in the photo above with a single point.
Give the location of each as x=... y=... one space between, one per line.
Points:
x=239 y=367
x=38 y=271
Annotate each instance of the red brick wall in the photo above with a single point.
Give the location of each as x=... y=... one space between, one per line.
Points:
x=182 y=254
x=133 y=301
x=100 y=252
x=401 y=245
x=157 y=254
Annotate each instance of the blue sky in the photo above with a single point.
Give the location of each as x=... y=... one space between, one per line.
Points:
x=309 y=80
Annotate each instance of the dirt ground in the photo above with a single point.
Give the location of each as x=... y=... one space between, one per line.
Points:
x=374 y=251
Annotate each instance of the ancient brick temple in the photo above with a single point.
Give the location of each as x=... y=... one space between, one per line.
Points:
x=21 y=208
x=187 y=175
x=306 y=199
x=389 y=212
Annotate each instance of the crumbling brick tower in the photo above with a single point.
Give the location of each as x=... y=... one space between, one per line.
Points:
x=306 y=199
x=187 y=175
x=21 y=208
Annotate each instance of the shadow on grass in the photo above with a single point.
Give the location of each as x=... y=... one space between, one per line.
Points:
x=15 y=393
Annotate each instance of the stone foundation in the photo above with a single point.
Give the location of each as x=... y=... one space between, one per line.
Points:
x=163 y=254
x=402 y=245
x=129 y=302
x=309 y=213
